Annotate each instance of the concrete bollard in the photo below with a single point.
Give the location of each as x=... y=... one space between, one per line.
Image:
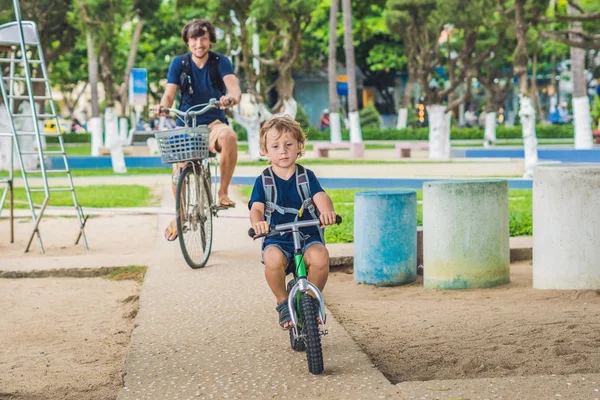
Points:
x=465 y=234
x=566 y=226
x=385 y=237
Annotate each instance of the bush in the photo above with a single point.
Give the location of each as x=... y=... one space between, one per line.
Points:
x=370 y=118
x=302 y=118
x=239 y=130
x=71 y=138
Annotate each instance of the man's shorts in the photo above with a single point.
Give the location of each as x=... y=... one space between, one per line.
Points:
x=288 y=253
x=216 y=128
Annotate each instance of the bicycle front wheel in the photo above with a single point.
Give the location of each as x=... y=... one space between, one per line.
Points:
x=310 y=330
x=194 y=224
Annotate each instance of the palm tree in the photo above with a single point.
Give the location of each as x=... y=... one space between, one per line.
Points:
x=581 y=103
x=355 y=134
x=334 y=115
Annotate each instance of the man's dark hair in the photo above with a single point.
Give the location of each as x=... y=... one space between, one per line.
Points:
x=198 y=27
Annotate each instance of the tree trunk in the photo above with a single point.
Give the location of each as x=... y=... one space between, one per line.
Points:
x=526 y=112
x=93 y=74
x=581 y=104
x=107 y=75
x=439 y=139
x=355 y=133
x=406 y=100
x=535 y=96
x=334 y=115
x=135 y=41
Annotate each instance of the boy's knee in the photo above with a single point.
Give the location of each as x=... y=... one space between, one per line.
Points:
x=274 y=258
x=317 y=256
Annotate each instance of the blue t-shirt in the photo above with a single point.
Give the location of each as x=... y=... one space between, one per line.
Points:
x=203 y=88
x=287 y=196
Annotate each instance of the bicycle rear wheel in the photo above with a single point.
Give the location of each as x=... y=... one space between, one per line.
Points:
x=310 y=330
x=194 y=224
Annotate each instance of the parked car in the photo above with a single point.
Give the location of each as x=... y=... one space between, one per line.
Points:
x=50 y=126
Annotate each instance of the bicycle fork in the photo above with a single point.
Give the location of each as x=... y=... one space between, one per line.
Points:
x=304 y=286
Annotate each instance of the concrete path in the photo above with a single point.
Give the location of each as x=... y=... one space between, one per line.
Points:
x=213 y=332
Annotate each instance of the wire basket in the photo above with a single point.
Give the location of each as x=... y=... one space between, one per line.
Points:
x=183 y=144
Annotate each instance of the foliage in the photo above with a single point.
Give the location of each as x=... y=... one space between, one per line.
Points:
x=370 y=118
x=596 y=112
x=302 y=118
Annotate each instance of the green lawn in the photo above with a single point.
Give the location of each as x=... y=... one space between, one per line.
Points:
x=84 y=150
x=343 y=199
x=101 y=196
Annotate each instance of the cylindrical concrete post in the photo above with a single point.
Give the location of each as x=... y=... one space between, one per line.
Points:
x=566 y=226
x=465 y=234
x=385 y=237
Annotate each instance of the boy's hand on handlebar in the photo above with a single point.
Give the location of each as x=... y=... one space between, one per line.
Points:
x=327 y=218
x=261 y=227
x=227 y=101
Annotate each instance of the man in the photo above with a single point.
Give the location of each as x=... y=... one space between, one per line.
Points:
x=199 y=76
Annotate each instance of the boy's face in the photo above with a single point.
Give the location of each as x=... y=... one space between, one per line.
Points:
x=199 y=45
x=282 y=149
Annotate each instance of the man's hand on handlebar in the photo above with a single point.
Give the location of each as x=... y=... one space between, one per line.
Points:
x=261 y=227
x=227 y=101
x=160 y=110
x=327 y=218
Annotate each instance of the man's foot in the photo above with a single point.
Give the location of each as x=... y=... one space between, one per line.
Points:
x=226 y=202
x=171 y=231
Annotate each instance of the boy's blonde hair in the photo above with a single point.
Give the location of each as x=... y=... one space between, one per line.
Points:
x=281 y=125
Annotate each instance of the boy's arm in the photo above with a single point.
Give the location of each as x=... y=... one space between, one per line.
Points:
x=257 y=218
x=325 y=205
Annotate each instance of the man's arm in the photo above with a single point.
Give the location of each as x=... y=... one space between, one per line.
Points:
x=169 y=97
x=234 y=93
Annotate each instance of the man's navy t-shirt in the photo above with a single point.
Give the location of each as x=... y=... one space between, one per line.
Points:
x=203 y=88
x=287 y=196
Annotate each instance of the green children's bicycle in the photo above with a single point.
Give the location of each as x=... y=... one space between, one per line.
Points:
x=305 y=310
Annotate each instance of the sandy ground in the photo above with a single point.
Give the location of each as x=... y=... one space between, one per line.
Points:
x=412 y=334
x=64 y=338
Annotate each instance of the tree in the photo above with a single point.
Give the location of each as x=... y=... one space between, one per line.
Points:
x=577 y=15
x=353 y=116
x=334 y=115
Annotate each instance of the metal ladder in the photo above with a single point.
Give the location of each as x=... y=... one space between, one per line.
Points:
x=20 y=47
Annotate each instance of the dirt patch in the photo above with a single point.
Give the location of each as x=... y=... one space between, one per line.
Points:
x=413 y=334
x=65 y=338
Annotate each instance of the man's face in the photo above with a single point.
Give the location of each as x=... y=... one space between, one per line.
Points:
x=199 y=45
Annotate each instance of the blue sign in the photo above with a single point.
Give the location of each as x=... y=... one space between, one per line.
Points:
x=138 y=87
x=342 y=88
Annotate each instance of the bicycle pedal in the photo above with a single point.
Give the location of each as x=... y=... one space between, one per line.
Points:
x=324 y=332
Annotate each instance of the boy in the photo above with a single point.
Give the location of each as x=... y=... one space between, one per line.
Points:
x=282 y=140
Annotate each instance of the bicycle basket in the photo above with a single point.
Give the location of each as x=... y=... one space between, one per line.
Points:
x=183 y=144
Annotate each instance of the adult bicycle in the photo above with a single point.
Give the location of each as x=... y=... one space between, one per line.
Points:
x=195 y=195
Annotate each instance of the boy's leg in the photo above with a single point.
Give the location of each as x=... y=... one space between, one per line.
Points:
x=275 y=264
x=316 y=258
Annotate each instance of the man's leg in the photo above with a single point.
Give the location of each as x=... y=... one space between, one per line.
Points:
x=225 y=142
x=171 y=231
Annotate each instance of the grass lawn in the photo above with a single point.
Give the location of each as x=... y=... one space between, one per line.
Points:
x=101 y=196
x=343 y=199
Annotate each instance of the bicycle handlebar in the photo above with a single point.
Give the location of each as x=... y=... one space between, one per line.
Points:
x=290 y=226
x=212 y=103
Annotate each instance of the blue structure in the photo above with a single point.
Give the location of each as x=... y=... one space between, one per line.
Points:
x=544 y=154
x=385 y=237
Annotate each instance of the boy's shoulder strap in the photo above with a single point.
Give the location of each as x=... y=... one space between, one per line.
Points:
x=268 y=182
x=213 y=70
x=303 y=188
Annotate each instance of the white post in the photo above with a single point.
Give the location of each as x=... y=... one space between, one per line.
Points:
x=95 y=126
x=489 y=136
x=527 y=115
x=582 y=121
x=335 y=128
x=113 y=141
x=402 y=118
x=438 y=133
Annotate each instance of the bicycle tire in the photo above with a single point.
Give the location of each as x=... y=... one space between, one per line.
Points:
x=297 y=343
x=194 y=216
x=310 y=330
